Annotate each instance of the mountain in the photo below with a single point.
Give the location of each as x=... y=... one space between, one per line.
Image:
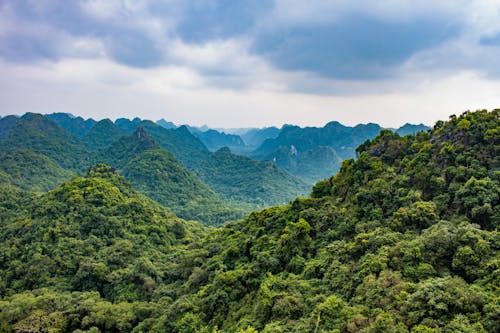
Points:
x=93 y=234
x=6 y=124
x=28 y=170
x=407 y=129
x=256 y=136
x=45 y=137
x=214 y=140
x=188 y=149
x=166 y=124
x=245 y=181
x=127 y=125
x=402 y=239
x=156 y=173
x=77 y=126
x=314 y=153
x=102 y=134
x=179 y=181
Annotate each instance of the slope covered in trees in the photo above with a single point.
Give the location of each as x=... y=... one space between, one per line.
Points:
x=88 y=254
x=240 y=179
x=102 y=134
x=155 y=172
x=403 y=239
x=314 y=153
x=39 y=154
x=77 y=126
x=39 y=134
x=31 y=171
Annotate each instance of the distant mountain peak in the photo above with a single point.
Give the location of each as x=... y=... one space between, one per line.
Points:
x=141 y=132
x=166 y=124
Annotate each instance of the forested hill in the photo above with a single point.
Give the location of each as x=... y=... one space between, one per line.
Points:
x=40 y=152
x=403 y=239
x=314 y=153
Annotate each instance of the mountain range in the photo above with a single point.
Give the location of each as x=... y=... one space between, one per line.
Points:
x=404 y=238
x=170 y=165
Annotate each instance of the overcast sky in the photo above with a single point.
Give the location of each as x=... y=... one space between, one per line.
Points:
x=242 y=63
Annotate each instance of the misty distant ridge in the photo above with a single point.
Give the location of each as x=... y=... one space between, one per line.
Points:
x=308 y=153
x=240 y=140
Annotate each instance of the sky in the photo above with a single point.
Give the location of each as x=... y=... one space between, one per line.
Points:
x=251 y=63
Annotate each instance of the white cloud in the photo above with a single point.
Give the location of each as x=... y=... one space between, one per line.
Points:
x=98 y=88
x=320 y=11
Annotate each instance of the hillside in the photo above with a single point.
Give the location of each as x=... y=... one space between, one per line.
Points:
x=156 y=173
x=94 y=252
x=242 y=180
x=215 y=140
x=256 y=136
x=43 y=136
x=102 y=134
x=77 y=126
x=31 y=171
x=314 y=153
x=403 y=239
x=6 y=124
x=38 y=155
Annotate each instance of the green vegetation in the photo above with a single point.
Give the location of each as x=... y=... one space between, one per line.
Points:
x=155 y=172
x=215 y=140
x=240 y=179
x=92 y=251
x=31 y=171
x=102 y=134
x=45 y=137
x=6 y=124
x=38 y=154
x=403 y=239
x=314 y=153
x=77 y=126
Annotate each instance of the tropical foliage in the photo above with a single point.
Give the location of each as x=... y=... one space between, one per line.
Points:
x=403 y=239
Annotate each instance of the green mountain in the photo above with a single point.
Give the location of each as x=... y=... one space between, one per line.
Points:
x=102 y=134
x=242 y=180
x=403 y=239
x=31 y=171
x=215 y=140
x=166 y=124
x=6 y=124
x=77 y=126
x=314 y=153
x=155 y=172
x=256 y=136
x=43 y=136
x=127 y=125
x=188 y=149
x=408 y=129
x=94 y=251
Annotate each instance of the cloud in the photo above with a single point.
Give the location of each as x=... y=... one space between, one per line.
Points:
x=352 y=47
x=210 y=19
x=254 y=62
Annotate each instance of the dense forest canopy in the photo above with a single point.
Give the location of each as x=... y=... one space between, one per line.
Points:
x=170 y=165
x=404 y=238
